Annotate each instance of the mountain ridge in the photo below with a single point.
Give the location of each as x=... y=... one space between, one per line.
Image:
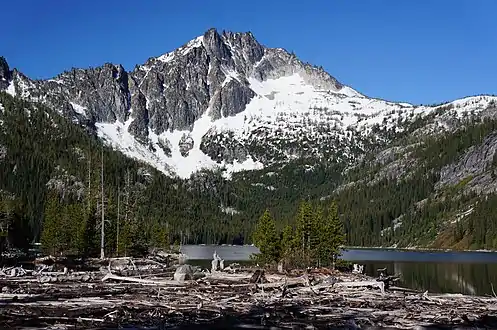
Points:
x=403 y=174
x=220 y=100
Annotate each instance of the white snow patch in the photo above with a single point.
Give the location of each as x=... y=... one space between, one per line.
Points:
x=118 y=136
x=462 y=215
x=230 y=75
x=58 y=81
x=350 y=92
x=260 y=184
x=229 y=210
x=24 y=88
x=196 y=159
x=248 y=165
x=78 y=108
x=168 y=57
x=11 y=89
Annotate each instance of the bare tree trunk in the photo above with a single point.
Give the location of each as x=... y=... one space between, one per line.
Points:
x=118 y=220
x=102 y=233
x=89 y=182
x=127 y=196
x=126 y=209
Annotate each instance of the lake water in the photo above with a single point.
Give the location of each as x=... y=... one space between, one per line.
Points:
x=450 y=272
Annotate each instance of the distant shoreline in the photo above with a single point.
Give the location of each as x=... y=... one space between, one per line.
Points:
x=388 y=248
x=414 y=249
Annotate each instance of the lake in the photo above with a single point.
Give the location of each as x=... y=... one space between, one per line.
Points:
x=436 y=271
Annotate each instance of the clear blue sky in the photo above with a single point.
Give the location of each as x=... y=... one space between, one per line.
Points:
x=420 y=51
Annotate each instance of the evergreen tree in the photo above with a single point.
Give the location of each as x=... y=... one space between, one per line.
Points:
x=51 y=239
x=305 y=230
x=332 y=236
x=289 y=246
x=266 y=239
x=160 y=237
x=86 y=234
x=317 y=243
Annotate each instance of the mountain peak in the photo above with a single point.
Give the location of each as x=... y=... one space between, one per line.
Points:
x=205 y=104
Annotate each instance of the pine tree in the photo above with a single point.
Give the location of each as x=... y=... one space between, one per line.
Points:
x=317 y=243
x=86 y=234
x=51 y=236
x=266 y=239
x=126 y=239
x=305 y=230
x=160 y=236
x=332 y=235
x=289 y=245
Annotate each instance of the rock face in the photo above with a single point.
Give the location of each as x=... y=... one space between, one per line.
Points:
x=186 y=144
x=5 y=74
x=473 y=167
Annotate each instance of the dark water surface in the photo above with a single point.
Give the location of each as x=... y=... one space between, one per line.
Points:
x=436 y=271
x=471 y=273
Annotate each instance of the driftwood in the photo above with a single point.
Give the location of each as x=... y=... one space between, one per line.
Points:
x=111 y=276
x=355 y=284
x=226 y=300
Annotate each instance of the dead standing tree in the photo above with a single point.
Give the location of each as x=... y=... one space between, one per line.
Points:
x=102 y=228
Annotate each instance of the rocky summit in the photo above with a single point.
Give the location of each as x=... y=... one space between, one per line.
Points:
x=224 y=100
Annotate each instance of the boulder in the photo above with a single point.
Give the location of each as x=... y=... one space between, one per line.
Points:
x=184 y=272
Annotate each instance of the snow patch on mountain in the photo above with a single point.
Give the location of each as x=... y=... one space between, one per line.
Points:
x=287 y=108
x=78 y=108
x=118 y=136
x=11 y=89
x=168 y=57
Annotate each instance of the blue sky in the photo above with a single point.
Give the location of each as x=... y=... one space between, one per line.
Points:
x=420 y=51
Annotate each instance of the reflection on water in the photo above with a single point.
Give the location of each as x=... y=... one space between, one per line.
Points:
x=226 y=252
x=467 y=278
x=449 y=272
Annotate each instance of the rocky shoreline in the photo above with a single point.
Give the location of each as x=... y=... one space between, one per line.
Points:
x=146 y=293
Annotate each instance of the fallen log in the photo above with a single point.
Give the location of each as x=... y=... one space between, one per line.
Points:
x=336 y=299
x=300 y=281
x=111 y=276
x=375 y=284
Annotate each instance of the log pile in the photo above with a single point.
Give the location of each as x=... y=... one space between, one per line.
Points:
x=225 y=299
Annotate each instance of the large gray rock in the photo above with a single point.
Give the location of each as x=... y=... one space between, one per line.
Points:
x=473 y=168
x=184 y=272
x=223 y=146
x=231 y=99
x=185 y=144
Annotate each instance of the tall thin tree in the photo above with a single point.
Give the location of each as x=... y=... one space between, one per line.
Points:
x=118 y=220
x=89 y=182
x=102 y=233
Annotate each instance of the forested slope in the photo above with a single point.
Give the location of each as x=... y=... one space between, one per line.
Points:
x=50 y=173
x=413 y=189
